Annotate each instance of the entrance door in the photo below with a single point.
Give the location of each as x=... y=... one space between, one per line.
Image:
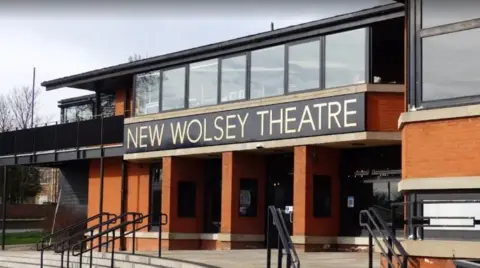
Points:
x=155 y=195
x=280 y=189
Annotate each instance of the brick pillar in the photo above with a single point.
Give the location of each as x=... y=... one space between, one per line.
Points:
x=237 y=231
x=311 y=161
x=181 y=233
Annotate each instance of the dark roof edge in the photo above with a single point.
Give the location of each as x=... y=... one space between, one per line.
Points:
x=125 y=67
x=75 y=100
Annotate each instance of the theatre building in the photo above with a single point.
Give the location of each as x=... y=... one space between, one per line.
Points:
x=303 y=117
x=322 y=119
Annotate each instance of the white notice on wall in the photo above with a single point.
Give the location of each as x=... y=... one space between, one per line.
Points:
x=452 y=210
x=350 y=201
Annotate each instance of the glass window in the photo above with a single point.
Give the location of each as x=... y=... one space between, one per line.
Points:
x=233 y=84
x=173 y=89
x=147 y=90
x=186 y=202
x=267 y=72
x=304 y=66
x=450 y=67
x=345 y=58
x=203 y=83
x=78 y=113
x=322 y=196
x=248 y=198
x=435 y=12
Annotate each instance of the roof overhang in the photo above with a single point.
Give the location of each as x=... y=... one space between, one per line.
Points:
x=114 y=76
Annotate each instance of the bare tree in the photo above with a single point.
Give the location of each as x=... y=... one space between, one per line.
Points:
x=22 y=103
x=6 y=115
x=16 y=111
x=134 y=57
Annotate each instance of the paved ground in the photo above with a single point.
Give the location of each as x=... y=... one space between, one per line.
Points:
x=257 y=258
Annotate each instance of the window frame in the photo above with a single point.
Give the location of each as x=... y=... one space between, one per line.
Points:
x=134 y=98
x=415 y=35
x=313 y=34
x=321 y=82
x=185 y=90
x=218 y=82
x=247 y=78
x=285 y=69
x=368 y=76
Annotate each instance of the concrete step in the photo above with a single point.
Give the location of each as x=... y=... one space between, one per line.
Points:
x=27 y=259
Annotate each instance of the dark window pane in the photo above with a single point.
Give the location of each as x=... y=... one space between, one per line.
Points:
x=248 y=198
x=187 y=192
x=147 y=90
x=435 y=12
x=345 y=58
x=322 y=196
x=267 y=72
x=173 y=89
x=234 y=71
x=304 y=66
x=450 y=65
x=203 y=83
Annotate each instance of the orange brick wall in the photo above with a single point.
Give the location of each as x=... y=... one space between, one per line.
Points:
x=177 y=169
x=310 y=161
x=235 y=166
x=383 y=111
x=446 y=148
x=111 y=187
x=138 y=187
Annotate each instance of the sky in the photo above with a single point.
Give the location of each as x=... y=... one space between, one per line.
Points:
x=62 y=38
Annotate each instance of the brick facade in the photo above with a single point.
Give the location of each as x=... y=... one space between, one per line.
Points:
x=439 y=148
x=310 y=161
x=235 y=166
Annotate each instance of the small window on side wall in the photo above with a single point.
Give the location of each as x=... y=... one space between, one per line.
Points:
x=186 y=203
x=248 y=198
x=322 y=196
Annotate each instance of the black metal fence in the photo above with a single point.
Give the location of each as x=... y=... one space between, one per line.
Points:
x=103 y=130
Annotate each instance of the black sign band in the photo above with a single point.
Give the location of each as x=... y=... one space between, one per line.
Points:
x=315 y=117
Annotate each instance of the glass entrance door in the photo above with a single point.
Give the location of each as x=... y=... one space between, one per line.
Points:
x=155 y=195
x=280 y=189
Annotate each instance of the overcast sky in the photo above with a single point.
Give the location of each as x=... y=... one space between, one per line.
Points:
x=61 y=38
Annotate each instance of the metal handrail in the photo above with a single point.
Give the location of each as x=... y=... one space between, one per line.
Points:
x=284 y=242
x=387 y=236
x=89 y=229
x=41 y=247
x=296 y=260
x=80 y=245
x=79 y=223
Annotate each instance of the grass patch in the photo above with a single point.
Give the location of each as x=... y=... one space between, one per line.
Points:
x=23 y=238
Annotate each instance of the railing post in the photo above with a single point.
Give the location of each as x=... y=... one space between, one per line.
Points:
x=393 y=227
x=41 y=258
x=4 y=205
x=160 y=236
x=91 y=248
x=280 y=250
x=289 y=260
x=61 y=260
x=269 y=248
x=133 y=235
x=68 y=251
x=370 y=248
x=80 y=257
x=113 y=250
